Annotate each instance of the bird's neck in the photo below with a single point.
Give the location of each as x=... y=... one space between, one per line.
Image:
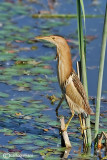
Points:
x=64 y=64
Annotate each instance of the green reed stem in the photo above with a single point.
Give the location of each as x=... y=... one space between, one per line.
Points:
x=101 y=70
x=83 y=60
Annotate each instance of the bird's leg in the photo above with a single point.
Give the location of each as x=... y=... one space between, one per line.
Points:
x=61 y=100
x=81 y=124
x=67 y=124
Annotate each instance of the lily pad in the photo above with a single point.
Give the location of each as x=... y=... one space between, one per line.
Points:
x=47 y=58
x=3 y=95
x=6 y=57
x=41 y=70
x=54 y=123
x=41 y=88
x=20 y=141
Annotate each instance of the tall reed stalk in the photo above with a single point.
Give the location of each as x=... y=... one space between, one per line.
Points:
x=101 y=69
x=83 y=58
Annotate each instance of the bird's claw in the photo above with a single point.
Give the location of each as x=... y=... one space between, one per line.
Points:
x=65 y=129
x=83 y=129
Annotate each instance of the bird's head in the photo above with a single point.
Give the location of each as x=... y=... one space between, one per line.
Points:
x=60 y=42
x=63 y=50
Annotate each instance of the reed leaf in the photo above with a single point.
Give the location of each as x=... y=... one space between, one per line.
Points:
x=64 y=16
x=83 y=10
x=83 y=59
x=101 y=69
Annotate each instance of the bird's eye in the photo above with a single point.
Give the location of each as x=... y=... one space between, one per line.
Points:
x=53 y=38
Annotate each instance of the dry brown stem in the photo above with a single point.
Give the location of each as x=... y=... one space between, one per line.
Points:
x=64 y=135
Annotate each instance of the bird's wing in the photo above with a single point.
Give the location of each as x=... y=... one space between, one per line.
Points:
x=75 y=91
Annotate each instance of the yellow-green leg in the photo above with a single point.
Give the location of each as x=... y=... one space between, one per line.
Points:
x=81 y=124
x=67 y=124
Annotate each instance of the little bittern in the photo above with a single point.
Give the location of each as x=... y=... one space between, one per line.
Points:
x=69 y=82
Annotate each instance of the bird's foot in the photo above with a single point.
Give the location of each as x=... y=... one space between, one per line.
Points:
x=65 y=129
x=67 y=124
x=83 y=129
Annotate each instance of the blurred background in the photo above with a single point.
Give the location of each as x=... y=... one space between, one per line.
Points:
x=28 y=122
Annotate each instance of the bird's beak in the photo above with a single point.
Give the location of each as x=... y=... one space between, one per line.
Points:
x=46 y=38
x=49 y=39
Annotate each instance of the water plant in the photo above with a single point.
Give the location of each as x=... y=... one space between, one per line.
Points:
x=82 y=53
x=101 y=71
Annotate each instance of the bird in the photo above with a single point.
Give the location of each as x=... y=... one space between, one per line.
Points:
x=71 y=86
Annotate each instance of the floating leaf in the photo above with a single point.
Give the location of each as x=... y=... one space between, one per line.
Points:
x=5 y=130
x=8 y=146
x=18 y=114
x=29 y=147
x=41 y=88
x=53 y=98
x=27 y=117
x=14 y=102
x=39 y=70
x=45 y=129
x=20 y=141
x=20 y=133
x=40 y=83
x=52 y=79
x=47 y=58
x=41 y=143
x=43 y=119
x=54 y=123
x=3 y=95
x=6 y=57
